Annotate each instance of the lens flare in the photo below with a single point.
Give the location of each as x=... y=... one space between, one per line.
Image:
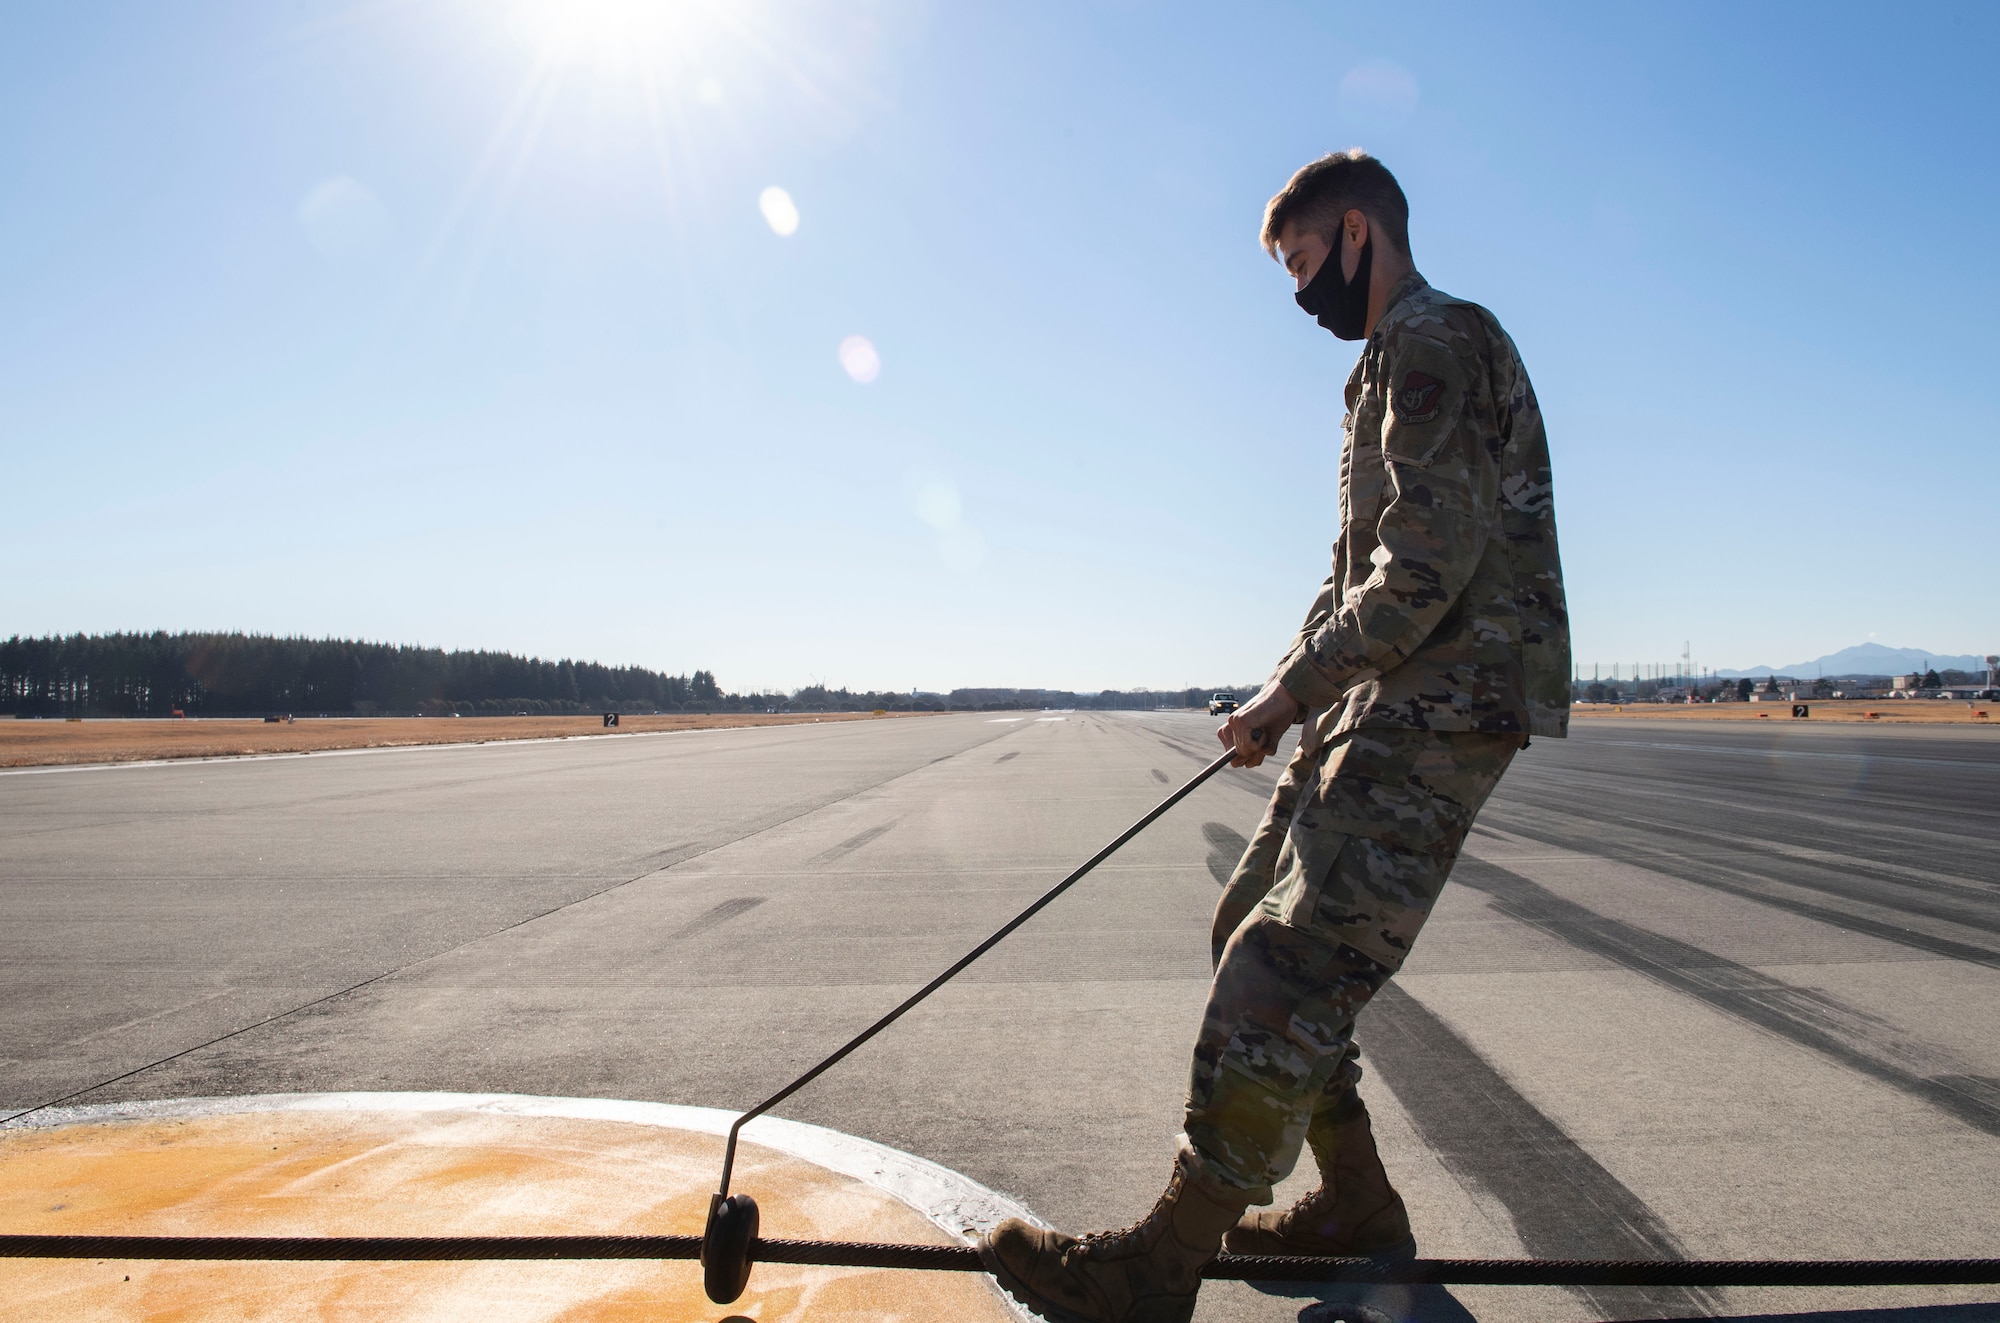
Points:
x=938 y=504
x=780 y=212
x=859 y=359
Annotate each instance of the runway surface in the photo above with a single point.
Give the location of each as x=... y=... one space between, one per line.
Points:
x=1702 y=991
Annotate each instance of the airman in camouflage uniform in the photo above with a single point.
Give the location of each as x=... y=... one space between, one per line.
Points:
x=1435 y=649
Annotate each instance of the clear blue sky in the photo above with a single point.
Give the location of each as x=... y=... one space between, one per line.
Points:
x=462 y=323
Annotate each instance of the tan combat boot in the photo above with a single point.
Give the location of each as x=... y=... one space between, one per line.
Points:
x=1147 y=1273
x=1355 y=1212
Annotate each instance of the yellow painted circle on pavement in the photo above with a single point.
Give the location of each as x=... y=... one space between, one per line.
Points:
x=438 y=1172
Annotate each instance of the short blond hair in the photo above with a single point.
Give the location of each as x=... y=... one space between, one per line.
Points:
x=1327 y=189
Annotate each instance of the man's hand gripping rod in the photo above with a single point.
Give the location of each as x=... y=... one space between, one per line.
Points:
x=732 y=1222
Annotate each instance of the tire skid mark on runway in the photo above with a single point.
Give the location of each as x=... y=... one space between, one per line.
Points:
x=654 y=860
x=1878 y=820
x=1888 y=824
x=1766 y=874
x=1896 y=874
x=319 y=1005
x=1563 y=1202
x=1864 y=829
x=1759 y=889
x=1809 y=1018
x=1987 y=764
x=1920 y=882
x=851 y=844
x=1256 y=781
x=1261 y=780
x=709 y=918
x=1199 y=752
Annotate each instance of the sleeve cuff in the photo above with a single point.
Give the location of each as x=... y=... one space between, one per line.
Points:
x=1304 y=681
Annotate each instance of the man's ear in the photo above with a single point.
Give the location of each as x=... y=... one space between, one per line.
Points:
x=1354 y=232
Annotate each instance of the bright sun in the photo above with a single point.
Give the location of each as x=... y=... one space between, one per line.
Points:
x=604 y=32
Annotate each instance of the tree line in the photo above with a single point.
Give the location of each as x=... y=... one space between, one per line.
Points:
x=156 y=675
x=235 y=674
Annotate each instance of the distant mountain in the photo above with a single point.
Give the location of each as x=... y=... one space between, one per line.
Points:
x=1867 y=659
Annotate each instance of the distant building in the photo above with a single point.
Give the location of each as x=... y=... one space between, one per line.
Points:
x=1777 y=689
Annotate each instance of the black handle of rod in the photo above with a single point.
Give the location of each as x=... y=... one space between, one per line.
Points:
x=729 y=1149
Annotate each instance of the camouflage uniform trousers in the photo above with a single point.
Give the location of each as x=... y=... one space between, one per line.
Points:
x=1322 y=910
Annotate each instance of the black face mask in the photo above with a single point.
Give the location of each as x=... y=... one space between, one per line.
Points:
x=1339 y=304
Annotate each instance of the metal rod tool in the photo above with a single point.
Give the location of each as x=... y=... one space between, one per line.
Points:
x=732 y=1220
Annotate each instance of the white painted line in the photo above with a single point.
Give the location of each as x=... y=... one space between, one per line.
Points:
x=1052 y=718
x=1000 y=721
x=955 y=1204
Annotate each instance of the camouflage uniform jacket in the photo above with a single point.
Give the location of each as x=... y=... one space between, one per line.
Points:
x=1445 y=607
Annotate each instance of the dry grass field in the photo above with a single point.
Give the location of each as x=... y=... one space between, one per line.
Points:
x=1906 y=711
x=52 y=743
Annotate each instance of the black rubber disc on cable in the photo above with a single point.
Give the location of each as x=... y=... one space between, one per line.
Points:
x=725 y=1247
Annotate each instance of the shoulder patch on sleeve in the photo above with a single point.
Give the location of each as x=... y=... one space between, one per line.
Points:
x=1425 y=385
x=1418 y=397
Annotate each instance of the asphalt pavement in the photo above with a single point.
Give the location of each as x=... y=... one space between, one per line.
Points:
x=1711 y=991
